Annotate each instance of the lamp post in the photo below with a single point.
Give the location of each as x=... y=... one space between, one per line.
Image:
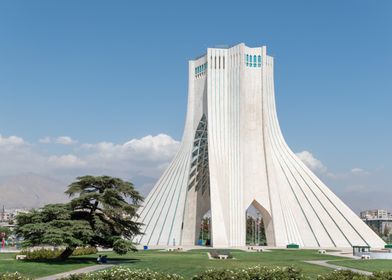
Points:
x=255 y=221
x=258 y=227
x=202 y=231
x=208 y=228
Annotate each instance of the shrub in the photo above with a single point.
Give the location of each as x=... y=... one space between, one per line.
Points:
x=121 y=246
x=76 y=277
x=42 y=254
x=81 y=251
x=12 y=276
x=382 y=275
x=48 y=254
x=252 y=273
x=343 y=275
x=121 y=273
x=220 y=275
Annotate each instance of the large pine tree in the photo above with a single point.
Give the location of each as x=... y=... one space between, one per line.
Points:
x=102 y=212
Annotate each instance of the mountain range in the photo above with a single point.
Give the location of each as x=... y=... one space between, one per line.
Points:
x=30 y=191
x=33 y=190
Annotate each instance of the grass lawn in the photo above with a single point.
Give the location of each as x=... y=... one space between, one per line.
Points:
x=38 y=269
x=368 y=265
x=193 y=262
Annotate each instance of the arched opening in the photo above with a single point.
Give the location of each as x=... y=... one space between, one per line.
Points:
x=259 y=229
x=205 y=236
x=255 y=231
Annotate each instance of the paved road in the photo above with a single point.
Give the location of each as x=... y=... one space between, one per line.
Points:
x=77 y=271
x=337 y=267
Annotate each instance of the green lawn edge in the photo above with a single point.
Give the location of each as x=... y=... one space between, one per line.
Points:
x=186 y=264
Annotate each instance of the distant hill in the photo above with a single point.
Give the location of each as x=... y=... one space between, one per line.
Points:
x=30 y=191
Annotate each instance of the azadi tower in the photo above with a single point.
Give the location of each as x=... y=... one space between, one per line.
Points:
x=233 y=155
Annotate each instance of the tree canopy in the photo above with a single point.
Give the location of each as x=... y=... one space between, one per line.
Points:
x=102 y=212
x=5 y=232
x=53 y=225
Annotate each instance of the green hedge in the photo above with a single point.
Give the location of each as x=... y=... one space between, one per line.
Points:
x=122 y=273
x=343 y=275
x=12 y=276
x=349 y=275
x=41 y=254
x=48 y=254
x=252 y=273
x=382 y=275
x=81 y=251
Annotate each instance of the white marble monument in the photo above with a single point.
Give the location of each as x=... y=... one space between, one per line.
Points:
x=233 y=155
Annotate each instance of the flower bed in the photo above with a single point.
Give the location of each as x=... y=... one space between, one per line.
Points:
x=12 y=276
x=122 y=273
x=252 y=273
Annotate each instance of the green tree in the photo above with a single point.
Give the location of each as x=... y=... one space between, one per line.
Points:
x=109 y=205
x=387 y=231
x=102 y=212
x=5 y=232
x=53 y=225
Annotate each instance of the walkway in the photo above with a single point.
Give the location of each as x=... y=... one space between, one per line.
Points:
x=337 y=267
x=77 y=271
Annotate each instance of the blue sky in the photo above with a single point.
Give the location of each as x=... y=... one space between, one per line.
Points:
x=112 y=71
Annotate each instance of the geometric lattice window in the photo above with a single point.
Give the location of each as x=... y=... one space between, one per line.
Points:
x=199 y=176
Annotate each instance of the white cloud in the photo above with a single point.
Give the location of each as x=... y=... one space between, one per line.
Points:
x=150 y=147
x=62 y=140
x=67 y=161
x=17 y=155
x=144 y=157
x=143 y=160
x=45 y=140
x=310 y=161
x=354 y=185
x=359 y=171
x=65 y=140
x=11 y=141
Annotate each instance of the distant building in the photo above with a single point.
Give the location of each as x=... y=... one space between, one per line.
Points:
x=380 y=220
x=5 y=216
x=8 y=215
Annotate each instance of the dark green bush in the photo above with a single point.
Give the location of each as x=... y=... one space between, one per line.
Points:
x=42 y=254
x=349 y=275
x=252 y=273
x=76 y=277
x=12 y=276
x=121 y=246
x=48 y=254
x=81 y=251
x=343 y=275
x=382 y=275
x=122 y=273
